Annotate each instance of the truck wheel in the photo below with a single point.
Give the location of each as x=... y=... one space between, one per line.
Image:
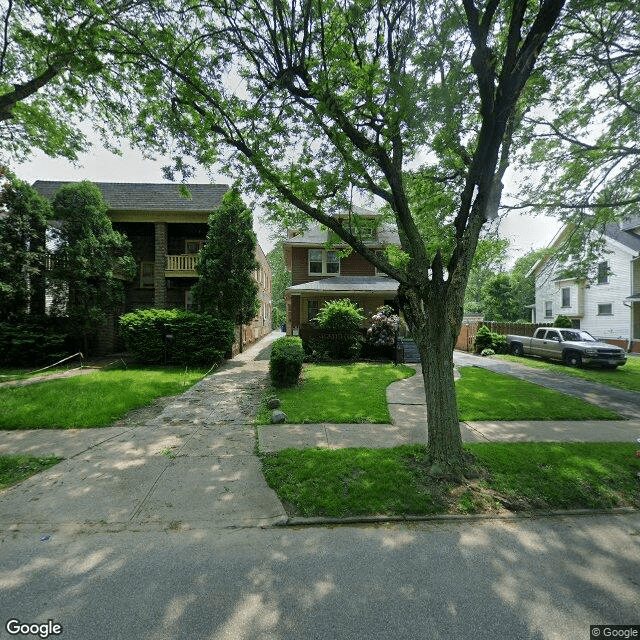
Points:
x=572 y=359
x=516 y=349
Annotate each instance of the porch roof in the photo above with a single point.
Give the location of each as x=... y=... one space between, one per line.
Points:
x=348 y=284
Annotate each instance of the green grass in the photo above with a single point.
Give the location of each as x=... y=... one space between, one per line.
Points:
x=527 y=476
x=339 y=394
x=485 y=395
x=93 y=400
x=9 y=375
x=625 y=377
x=16 y=468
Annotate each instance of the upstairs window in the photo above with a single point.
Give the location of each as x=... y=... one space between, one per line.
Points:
x=566 y=297
x=603 y=272
x=548 y=309
x=193 y=246
x=322 y=262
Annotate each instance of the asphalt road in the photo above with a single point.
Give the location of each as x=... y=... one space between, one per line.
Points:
x=545 y=578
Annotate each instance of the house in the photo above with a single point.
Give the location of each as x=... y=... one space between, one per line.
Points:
x=320 y=271
x=166 y=231
x=609 y=306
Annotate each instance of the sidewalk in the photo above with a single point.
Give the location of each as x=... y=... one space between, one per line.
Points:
x=407 y=405
x=193 y=465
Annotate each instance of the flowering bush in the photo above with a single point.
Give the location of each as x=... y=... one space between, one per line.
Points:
x=384 y=327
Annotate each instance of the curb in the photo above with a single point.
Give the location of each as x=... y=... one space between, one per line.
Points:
x=528 y=515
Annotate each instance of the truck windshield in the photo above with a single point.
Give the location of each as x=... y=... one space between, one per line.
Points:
x=577 y=336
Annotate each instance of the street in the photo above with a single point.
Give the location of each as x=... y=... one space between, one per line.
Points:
x=543 y=578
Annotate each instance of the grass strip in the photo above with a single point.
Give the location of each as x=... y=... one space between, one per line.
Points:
x=626 y=377
x=14 y=469
x=486 y=395
x=93 y=400
x=397 y=481
x=339 y=394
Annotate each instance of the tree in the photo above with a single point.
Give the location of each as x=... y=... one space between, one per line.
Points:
x=585 y=146
x=310 y=101
x=497 y=299
x=55 y=70
x=280 y=280
x=88 y=255
x=226 y=287
x=22 y=249
x=488 y=261
x=523 y=285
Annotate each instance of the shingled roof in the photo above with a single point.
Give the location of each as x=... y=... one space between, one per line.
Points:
x=129 y=196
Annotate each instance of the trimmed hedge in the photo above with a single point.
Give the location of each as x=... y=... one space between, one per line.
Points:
x=285 y=363
x=172 y=335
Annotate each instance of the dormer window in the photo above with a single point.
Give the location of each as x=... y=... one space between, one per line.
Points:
x=323 y=263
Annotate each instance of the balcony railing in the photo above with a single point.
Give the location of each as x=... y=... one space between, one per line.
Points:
x=181 y=265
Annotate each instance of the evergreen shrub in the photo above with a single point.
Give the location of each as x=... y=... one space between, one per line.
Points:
x=176 y=336
x=285 y=363
x=487 y=339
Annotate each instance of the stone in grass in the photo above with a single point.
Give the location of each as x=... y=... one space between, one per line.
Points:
x=278 y=417
x=273 y=402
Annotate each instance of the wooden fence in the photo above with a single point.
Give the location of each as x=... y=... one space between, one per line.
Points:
x=467 y=335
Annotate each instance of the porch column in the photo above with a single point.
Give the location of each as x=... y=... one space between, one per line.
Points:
x=159 y=282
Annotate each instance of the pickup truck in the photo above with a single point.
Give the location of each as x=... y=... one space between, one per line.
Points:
x=571 y=346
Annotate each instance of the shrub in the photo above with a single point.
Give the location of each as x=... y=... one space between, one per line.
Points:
x=563 y=322
x=285 y=363
x=341 y=321
x=340 y=315
x=173 y=335
x=28 y=342
x=382 y=333
x=488 y=352
x=487 y=339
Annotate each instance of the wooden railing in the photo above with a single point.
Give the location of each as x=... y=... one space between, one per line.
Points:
x=182 y=264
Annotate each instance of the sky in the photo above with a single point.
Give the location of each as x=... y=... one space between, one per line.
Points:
x=525 y=232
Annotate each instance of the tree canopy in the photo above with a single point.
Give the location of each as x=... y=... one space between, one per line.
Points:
x=56 y=69
x=311 y=101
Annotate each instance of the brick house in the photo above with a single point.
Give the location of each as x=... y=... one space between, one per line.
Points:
x=166 y=231
x=320 y=274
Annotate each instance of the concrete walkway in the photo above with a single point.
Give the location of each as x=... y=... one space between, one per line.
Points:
x=193 y=465
x=407 y=406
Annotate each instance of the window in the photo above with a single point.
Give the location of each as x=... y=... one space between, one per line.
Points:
x=193 y=246
x=603 y=272
x=548 y=309
x=381 y=254
x=146 y=274
x=566 y=297
x=605 y=309
x=323 y=262
x=313 y=307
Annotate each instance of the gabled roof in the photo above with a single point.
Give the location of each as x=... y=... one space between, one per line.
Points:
x=130 y=196
x=627 y=238
x=348 y=284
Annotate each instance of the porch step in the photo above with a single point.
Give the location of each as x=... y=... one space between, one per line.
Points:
x=411 y=353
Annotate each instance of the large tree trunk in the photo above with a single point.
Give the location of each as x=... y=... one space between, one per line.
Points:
x=434 y=327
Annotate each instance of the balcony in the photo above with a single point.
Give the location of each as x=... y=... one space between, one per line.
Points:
x=181 y=266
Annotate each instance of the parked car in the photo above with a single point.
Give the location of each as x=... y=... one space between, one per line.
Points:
x=571 y=346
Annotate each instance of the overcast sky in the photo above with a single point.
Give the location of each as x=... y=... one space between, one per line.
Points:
x=524 y=232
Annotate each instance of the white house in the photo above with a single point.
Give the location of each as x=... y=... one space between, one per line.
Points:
x=607 y=307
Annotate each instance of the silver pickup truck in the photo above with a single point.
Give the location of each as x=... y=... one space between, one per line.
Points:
x=572 y=346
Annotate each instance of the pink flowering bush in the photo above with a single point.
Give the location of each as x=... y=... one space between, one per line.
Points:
x=384 y=327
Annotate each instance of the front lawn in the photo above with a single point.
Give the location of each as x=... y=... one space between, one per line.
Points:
x=16 y=468
x=512 y=477
x=94 y=400
x=625 y=377
x=486 y=395
x=339 y=394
